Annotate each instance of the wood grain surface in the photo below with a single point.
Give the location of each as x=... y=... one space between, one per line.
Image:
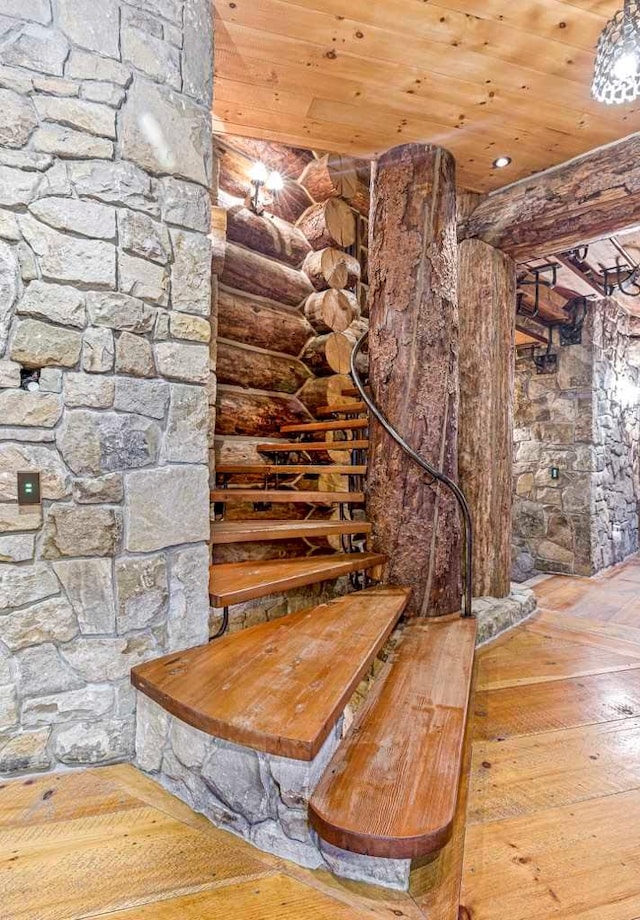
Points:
x=310 y=661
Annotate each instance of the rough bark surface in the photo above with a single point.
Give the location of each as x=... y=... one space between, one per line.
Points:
x=254 y=273
x=414 y=371
x=486 y=297
x=587 y=199
x=261 y=322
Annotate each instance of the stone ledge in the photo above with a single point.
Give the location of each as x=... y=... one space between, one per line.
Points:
x=498 y=614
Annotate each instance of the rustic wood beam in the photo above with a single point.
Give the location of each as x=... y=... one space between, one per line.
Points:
x=414 y=371
x=486 y=299
x=593 y=196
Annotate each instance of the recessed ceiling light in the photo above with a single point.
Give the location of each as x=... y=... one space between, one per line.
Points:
x=501 y=162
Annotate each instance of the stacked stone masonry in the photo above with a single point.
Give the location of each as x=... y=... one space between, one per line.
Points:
x=105 y=288
x=584 y=420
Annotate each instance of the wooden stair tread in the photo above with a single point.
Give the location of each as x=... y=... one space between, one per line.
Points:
x=391 y=788
x=338 y=425
x=235 y=582
x=245 y=531
x=353 y=391
x=344 y=409
x=289 y=469
x=278 y=687
x=301 y=446
x=273 y=496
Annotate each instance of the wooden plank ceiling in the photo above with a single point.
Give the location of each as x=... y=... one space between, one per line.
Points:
x=479 y=77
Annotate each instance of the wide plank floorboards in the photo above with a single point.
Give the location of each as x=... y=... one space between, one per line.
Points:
x=554 y=790
x=546 y=826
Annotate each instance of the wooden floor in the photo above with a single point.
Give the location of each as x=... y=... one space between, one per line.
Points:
x=554 y=791
x=553 y=806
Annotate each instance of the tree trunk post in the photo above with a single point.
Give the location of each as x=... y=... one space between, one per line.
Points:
x=414 y=372
x=486 y=298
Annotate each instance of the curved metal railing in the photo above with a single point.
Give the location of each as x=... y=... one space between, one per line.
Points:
x=465 y=511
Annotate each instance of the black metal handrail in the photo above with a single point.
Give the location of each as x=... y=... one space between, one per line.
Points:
x=463 y=504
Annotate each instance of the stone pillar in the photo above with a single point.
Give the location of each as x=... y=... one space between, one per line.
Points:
x=486 y=298
x=105 y=289
x=414 y=371
x=584 y=420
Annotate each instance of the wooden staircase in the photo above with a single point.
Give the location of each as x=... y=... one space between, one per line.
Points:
x=279 y=687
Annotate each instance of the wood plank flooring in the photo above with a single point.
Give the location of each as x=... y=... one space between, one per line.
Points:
x=551 y=825
x=554 y=789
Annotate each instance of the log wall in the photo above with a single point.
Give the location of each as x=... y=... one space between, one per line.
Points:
x=280 y=300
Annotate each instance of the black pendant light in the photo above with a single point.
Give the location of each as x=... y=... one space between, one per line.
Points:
x=617 y=74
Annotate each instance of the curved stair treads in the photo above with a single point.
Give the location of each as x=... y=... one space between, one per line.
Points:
x=234 y=582
x=289 y=469
x=285 y=496
x=348 y=409
x=339 y=425
x=290 y=447
x=278 y=687
x=390 y=790
x=248 y=531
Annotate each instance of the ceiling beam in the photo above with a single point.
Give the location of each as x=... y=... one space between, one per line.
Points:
x=585 y=199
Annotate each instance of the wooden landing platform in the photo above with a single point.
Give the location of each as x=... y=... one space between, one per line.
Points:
x=278 y=687
x=392 y=786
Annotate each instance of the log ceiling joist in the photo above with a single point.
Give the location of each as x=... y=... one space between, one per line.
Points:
x=587 y=199
x=478 y=77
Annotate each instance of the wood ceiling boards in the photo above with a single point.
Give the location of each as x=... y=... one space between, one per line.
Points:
x=479 y=77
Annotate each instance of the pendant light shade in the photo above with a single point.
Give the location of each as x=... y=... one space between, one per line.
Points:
x=617 y=73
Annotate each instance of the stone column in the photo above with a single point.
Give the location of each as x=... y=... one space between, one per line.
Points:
x=414 y=371
x=486 y=298
x=105 y=290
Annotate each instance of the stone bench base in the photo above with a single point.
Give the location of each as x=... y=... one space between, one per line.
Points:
x=260 y=797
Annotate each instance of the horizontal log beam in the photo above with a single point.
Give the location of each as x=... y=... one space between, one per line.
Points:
x=260 y=322
x=594 y=196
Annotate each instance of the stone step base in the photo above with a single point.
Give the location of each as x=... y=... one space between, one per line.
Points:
x=259 y=797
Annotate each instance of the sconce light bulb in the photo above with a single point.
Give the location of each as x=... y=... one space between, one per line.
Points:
x=259 y=173
x=276 y=182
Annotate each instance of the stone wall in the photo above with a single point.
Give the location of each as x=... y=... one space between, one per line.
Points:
x=105 y=289
x=553 y=427
x=616 y=480
x=583 y=419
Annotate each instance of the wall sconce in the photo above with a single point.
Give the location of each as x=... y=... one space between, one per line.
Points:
x=262 y=178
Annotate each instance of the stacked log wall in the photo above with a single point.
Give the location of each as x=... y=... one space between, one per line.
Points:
x=270 y=275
